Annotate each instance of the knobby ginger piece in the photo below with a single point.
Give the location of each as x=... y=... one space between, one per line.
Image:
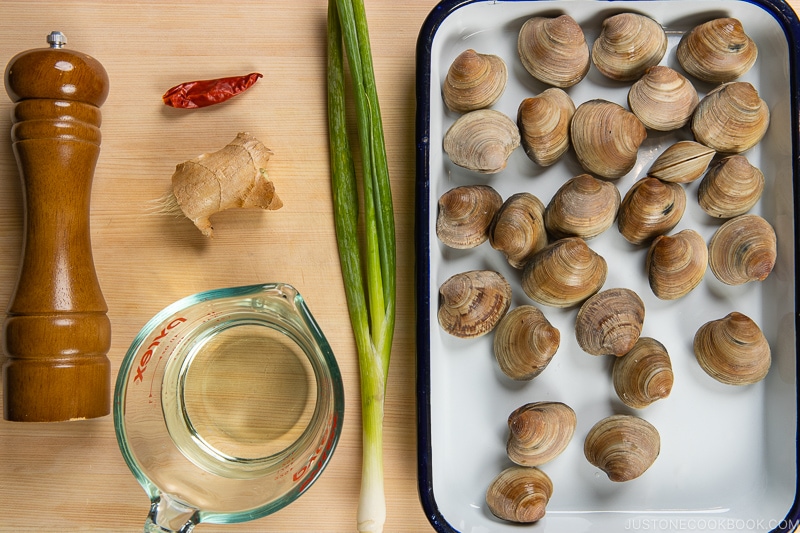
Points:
x=232 y=177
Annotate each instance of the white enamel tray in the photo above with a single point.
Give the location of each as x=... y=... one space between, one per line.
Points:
x=728 y=458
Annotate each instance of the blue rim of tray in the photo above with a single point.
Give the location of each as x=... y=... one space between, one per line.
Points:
x=789 y=22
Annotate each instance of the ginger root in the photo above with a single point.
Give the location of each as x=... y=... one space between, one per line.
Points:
x=234 y=176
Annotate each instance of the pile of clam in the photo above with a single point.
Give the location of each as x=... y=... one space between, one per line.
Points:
x=548 y=242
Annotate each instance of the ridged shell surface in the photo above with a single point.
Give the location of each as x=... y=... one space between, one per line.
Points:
x=733 y=350
x=676 y=264
x=606 y=138
x=682 y=162
x=474 y=81
x=482 y=141
x=732 y=118
x=465 y=215
x=643 y=375
x=628 y=44
x=554 y=50
x=472 y=303
x=525 y=343
x=651 y=207
x=730 y=188
x=622 y=446
x=539 y=432
x=743 y=249
x=519 y=494
x=564 y=273
x=663 y=99
x=583 y=207
x=610 y=322
x=518 y=228
x=543 y=122
x=717 y=51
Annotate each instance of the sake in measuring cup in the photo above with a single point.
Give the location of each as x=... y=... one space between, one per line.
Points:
x=228 y=406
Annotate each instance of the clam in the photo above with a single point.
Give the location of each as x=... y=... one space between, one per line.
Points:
x=682 y=162
x=731 y=118
x=481 y=140
x=564 y=273
x=610 y=322
x=676 y=264
x=474 y=81
x=730 y=188
x=651 y=207
x=628 y=44
x=543 y=122
x=743 y=249
x=519 y=494
x=583 y=207
x=643 y=375
x=622 y=446
x=733 y=350
x=663 y=99
x=554 y=50
x=717 y=51
x=518 y=228
x=606 y=138
x=465 y=214
x=539 y=432
x=525 y=342
x=472 y=303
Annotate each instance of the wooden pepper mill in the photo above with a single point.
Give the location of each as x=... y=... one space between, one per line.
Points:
x=57 y=333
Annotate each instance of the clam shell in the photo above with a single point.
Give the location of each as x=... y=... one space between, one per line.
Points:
x=606 y=138
x=676 y=264
x=525 y=342
x=474 y=81
x=583 y=207
x=682 y=162
x=622 y=446
x=465 y=215
x=730 y=188
x=651 y=207
x=519 y=494
x=481 y=140
x=717 y=51
x=643 y=375
x=743 y=249
x=564 y=273
x=539 y=432
x=733 y=350
x=731 y=119
x=518 y=228
x=610 y=322
x=472 y=303
x=543 y=122
x=663 y=99
x=628 y=44
x=554 y=50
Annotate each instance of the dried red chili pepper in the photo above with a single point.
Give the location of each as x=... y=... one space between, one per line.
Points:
x=203 y=93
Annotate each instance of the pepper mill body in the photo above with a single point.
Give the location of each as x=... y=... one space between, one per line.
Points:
x=56 y=333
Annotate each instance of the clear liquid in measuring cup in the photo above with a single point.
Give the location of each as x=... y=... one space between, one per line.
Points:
x=243 y=396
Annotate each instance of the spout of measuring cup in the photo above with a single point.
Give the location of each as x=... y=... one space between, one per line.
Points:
x=169 y=516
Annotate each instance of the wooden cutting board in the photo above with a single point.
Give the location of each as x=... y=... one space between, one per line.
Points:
x=71 y=476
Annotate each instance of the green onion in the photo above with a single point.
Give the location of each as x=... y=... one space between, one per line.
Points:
x=368 y=263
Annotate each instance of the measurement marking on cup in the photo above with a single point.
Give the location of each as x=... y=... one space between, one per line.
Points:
x=146 y=356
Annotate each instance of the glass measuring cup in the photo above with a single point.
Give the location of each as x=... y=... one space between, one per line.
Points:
x=228 y=406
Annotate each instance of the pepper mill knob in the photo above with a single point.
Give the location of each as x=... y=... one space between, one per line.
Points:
x=56 y=333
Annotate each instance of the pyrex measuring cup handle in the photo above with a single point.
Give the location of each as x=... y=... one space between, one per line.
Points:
x=169 y=516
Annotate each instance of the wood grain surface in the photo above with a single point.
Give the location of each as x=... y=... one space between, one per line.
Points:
x=70 y=476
